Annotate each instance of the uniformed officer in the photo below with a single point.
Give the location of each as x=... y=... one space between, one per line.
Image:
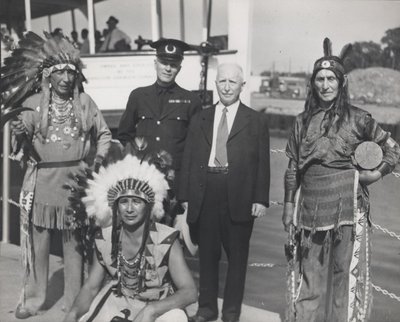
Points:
x=161 y=112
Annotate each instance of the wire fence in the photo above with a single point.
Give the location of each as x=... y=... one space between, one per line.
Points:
x=279 y=203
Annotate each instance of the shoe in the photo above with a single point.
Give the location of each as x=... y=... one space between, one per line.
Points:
x=22 y=312
x=199 y=318
x=230 y=319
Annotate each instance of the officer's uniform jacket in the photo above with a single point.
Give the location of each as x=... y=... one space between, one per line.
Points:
x=161 y=118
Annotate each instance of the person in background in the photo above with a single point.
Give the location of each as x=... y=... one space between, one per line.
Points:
x=161 y=112
x=331 y=216
x=85 y=41
x=54 y=134
x=75 y=41
x=58 y=33
x=116 y=39
x=148 y=279
x=224 y=185
x=98 y=39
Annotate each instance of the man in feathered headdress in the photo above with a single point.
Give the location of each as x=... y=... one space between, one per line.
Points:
x=329 y=214
x=148 y=278
x=55 y=131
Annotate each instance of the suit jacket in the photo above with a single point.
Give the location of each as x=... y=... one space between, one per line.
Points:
x=163 y=127
x=248 y=158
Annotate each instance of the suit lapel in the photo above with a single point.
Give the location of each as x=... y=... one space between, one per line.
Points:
x=207 y=123
x=241 y=120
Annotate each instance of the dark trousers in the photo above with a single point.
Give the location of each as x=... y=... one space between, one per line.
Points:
x=216 y=229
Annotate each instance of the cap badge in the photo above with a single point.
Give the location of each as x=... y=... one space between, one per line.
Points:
x=170 y=49
x=326 y=64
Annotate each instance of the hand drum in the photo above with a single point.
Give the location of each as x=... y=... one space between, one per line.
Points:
x=368 y=155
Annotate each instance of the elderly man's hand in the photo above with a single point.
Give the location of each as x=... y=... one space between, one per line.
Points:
x=369 y=176
x=258 y=210
x=287 y=217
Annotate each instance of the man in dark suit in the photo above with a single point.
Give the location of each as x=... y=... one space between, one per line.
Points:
x=161 y=112
x=224 y=185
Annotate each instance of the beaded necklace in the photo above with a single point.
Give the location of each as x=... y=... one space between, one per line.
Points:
x=60 y=109
x=130 y=273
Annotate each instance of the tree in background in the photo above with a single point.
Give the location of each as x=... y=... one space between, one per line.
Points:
x=391 y=51
x=363 y=55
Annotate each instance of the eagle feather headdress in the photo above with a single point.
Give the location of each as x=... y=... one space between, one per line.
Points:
x=140 y=174
x=21 y=73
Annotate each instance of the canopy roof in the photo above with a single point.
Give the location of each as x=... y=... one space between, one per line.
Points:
x=12 y=10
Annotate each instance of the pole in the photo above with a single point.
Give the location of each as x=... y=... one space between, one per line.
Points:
x=73 y=19
x=6 y=184
x=205 y=59
x=49 y=21
x=91 y=27
x=156 y=30
x=205 y=10
x=209 y=19
x=6 y=153
x=28 y=16
x=182 y=20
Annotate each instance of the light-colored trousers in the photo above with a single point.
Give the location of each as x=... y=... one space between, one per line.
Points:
x=37 y=283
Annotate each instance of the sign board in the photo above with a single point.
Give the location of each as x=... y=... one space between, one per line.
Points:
x=112 y=78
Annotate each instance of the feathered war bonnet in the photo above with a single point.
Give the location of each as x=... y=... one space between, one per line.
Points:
x=129 y=171
x=127 y=177
x=28 y=69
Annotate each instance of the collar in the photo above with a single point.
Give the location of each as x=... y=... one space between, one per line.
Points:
x=233 y=107
x=164 y=89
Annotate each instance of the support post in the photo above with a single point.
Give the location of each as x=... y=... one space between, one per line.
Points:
x=28 y=15
x=49 y=22
x=6 y=184
x=91 y=27
x=239 y=37
x=73 y=19
x=156 y=20
x=182 y=18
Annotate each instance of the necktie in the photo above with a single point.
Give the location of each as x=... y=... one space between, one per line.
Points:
x=162 y=95
x=221 y=156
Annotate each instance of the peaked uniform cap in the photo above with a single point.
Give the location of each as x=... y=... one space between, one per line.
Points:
x=170 y=49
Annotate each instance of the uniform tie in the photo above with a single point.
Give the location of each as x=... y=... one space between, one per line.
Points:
x=162 y=99
x=221 y=156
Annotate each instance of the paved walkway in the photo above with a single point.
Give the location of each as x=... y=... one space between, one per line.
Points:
x=11 y=281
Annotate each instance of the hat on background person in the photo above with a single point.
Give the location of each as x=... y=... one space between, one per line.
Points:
x=112 y=19
x=170 y=49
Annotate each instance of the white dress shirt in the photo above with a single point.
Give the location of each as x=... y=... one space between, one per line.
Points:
x=230 y=117
x=112 y=37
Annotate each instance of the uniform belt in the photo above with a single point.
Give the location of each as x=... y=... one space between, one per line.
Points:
x=58 y=164
x=223 y=170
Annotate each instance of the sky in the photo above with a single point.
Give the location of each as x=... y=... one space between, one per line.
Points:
x=286 y=35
